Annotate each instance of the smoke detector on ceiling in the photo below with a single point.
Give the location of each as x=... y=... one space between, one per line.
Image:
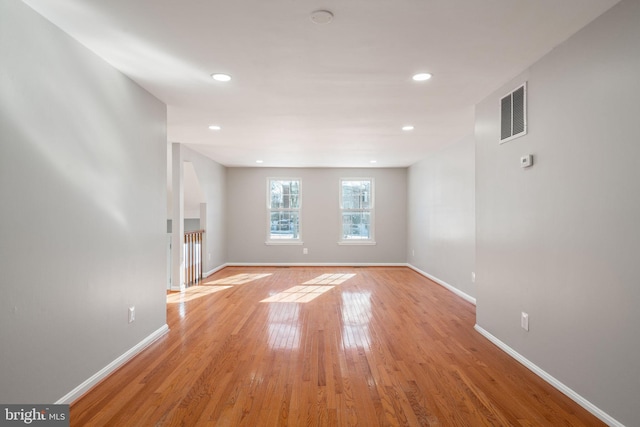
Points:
x=321 y=16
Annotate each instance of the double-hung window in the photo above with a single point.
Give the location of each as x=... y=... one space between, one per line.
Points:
x=283 y=206
x=357 y=211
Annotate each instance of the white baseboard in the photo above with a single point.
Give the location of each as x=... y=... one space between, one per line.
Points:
x=111 y=367
x=315 y=264
x=213 y=270
x=444 y=284
x=205 y=274
x=603 y=416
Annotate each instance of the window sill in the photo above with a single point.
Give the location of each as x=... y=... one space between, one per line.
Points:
x=357 y=242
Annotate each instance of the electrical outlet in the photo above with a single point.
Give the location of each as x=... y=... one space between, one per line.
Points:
x=132 y=314
x=524 y=321
x=305 y=251
x=473 y=277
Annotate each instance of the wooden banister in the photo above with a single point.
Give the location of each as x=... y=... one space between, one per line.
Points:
x=193 y=257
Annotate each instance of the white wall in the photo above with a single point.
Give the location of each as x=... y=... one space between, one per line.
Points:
x=441 y=215
x=212 y=178
x=82 y=211
x=191 y=224
x=561 y=240
x=247 y=217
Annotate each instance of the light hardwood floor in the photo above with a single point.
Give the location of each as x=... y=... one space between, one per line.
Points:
x=366 y=346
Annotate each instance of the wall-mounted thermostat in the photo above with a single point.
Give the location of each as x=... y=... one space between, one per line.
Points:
x=526 y=161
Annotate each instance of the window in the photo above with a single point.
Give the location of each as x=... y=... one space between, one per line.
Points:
x=283 y=205
x=356 y=210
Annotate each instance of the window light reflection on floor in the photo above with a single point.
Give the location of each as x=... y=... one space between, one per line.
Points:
x=284 y=326
x=356 y=317
x=238 y=279
x=212 y=286
x=304 y=294
x=329 y=279
x=299 y=294
x=193 y=293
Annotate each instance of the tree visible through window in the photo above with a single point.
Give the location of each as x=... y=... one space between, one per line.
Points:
x=284 y=209
x=356 y=205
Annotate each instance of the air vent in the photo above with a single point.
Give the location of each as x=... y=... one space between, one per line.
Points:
x=513 y=114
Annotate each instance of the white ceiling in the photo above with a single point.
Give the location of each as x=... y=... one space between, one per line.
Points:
x=309 y=95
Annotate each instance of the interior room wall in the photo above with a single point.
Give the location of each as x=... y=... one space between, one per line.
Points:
x=213 y=181
x=441 y=215
x=191 y=224
x=561 y=240
x=83 y=211
x=247 y=217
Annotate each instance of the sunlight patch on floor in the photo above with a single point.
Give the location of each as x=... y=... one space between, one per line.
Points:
x=194 y=292
x=299 y=294
x=238 y=279
x=303 y=294
x=330 y=279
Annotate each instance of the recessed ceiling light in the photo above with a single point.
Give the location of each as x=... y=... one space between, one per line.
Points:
x=420 y=77
x=259 y=161
x=221 y=77
x=215 y=127
x=407 y=128
x=321 y=16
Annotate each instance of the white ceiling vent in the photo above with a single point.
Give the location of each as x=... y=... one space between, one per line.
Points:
x=513 y=114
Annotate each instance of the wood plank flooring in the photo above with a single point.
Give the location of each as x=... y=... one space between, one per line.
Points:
x=311 y=346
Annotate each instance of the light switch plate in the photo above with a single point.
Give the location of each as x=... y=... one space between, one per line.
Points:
x=524 y=321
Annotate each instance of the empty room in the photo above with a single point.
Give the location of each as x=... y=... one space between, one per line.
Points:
x=356 y=213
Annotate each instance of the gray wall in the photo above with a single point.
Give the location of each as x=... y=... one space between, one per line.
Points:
x=247 y=220
x=441 y=215
x=561 y=240
x=191 y=224
x=213 y=181
x=82 y=217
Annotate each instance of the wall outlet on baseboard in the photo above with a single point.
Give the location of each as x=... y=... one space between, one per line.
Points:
x=524 y=321
x=132 y=314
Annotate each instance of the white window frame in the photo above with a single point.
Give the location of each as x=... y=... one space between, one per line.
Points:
x=371 y=210
x=270 y=210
